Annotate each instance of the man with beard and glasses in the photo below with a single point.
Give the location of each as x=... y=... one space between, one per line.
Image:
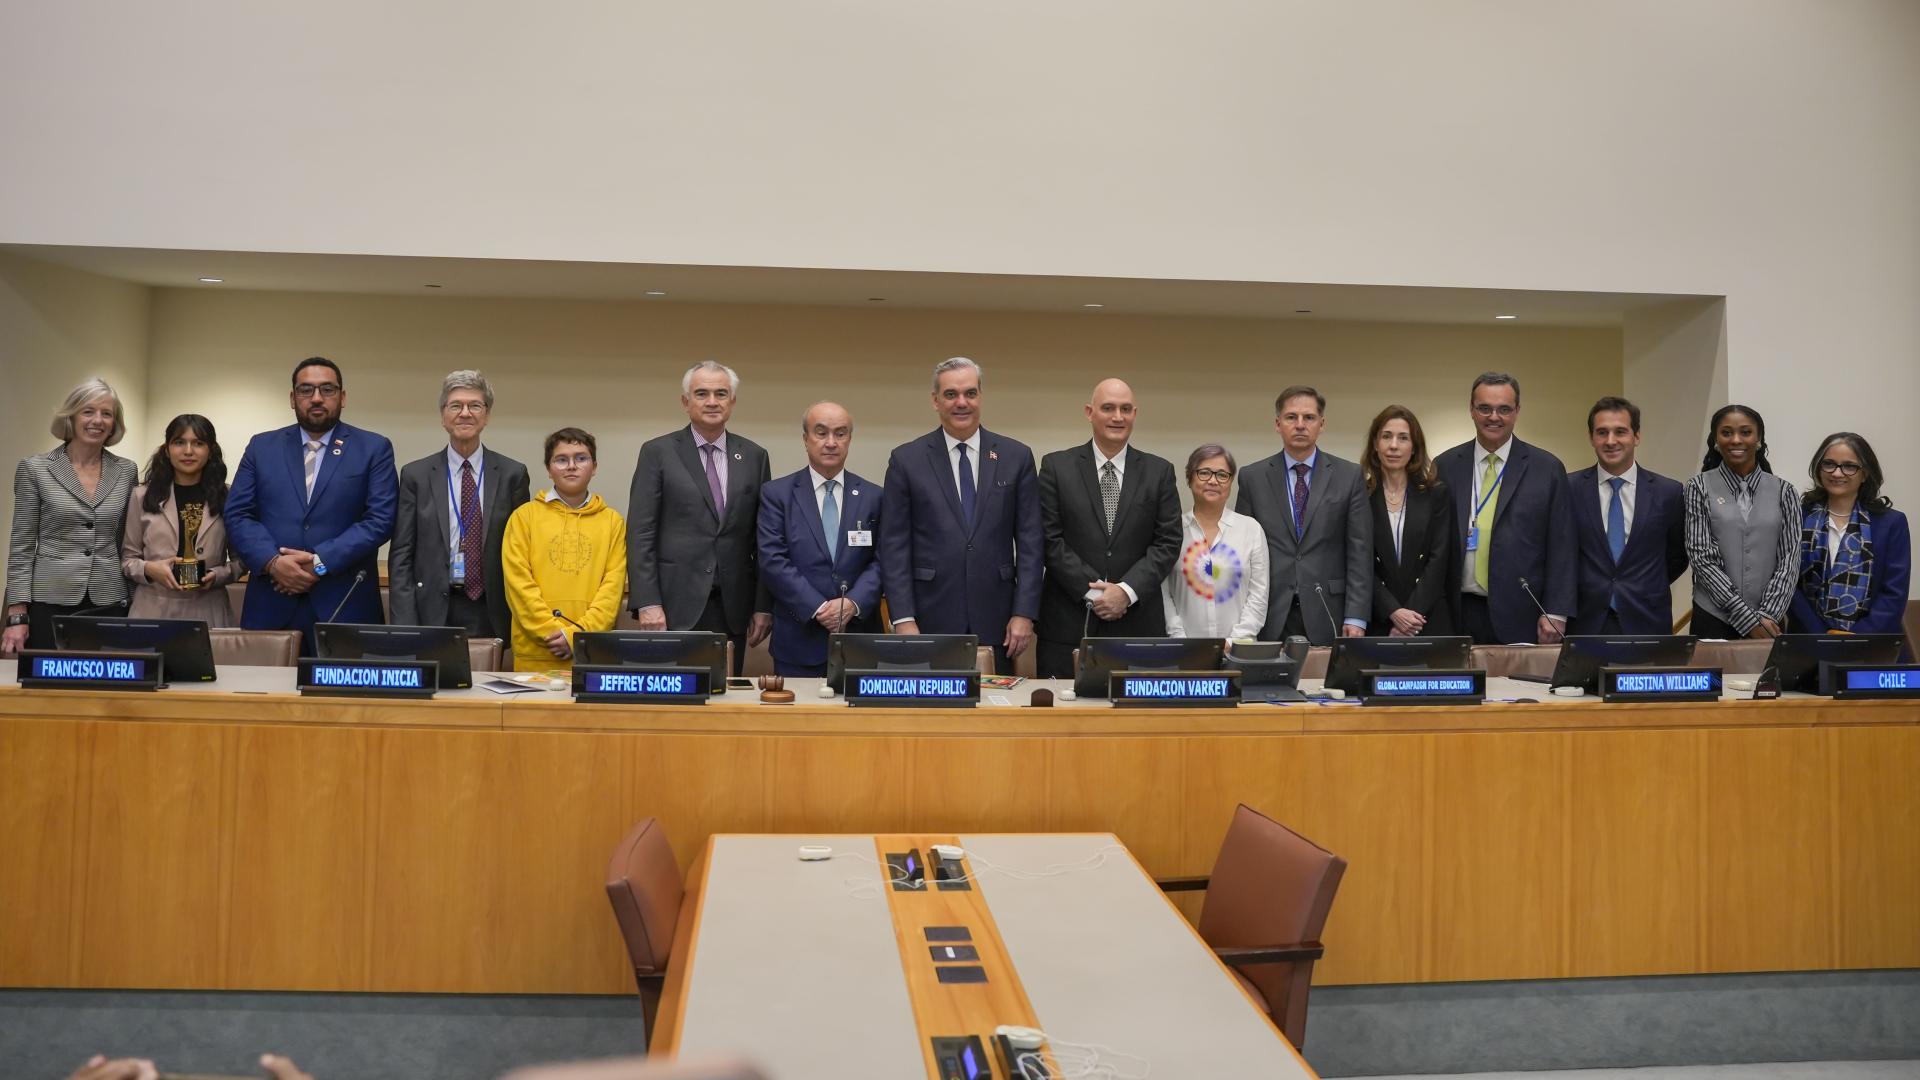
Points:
x=310 y=506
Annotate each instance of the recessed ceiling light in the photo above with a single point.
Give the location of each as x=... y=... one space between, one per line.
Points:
x=1303 y=311
x=656 y=292
x=1506 y=316
x=212 y=280
x=1093 y=305
x=876 y=299
x=430 y=286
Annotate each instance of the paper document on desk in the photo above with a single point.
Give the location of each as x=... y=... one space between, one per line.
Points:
x=502 y=686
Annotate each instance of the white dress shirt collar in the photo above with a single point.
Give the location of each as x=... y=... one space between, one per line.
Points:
x=1631 y=476
x=819 y=479
x=972 y=441
x=1119 y=460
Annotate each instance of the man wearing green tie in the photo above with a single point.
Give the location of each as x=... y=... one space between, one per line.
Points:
x=1520 y=549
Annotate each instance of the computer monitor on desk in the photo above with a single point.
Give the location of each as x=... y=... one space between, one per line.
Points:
x=1583 y=655
x=185 y=648
x=898 y=652
x=1353 y=656
x=445 y=645
x=700 y=649
x=1797 y=657
x=1100 y=657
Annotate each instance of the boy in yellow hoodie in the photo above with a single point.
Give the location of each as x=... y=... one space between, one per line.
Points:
x=564 y=550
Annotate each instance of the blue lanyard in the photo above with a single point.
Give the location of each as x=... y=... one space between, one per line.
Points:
x=453 y=497
x=1488 y=496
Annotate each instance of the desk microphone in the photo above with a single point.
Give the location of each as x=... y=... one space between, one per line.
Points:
x=1332 y=623
x=558 y=615
x=1535 y=599
x=843 y=599
x=357 y=579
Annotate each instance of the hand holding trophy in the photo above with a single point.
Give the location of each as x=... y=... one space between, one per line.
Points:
x=189 y=569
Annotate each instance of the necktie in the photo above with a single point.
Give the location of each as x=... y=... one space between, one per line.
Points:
x=714 y=486
x=313 y=465
x=830 y=517
x=1743 y=498
x=1109 y=492
x=470 y=531
x=1299 y=499
x=1483 y=521
x=1616 y=519
x=966 y=486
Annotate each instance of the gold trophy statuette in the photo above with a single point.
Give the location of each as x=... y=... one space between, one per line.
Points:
x=187 y=571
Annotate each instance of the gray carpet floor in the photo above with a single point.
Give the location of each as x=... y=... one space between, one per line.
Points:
x=1798 y=1070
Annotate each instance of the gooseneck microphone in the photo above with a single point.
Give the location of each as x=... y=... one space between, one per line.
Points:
x=1333 y=624
x=357 y=579
x=558 y=614
x=1535 y=599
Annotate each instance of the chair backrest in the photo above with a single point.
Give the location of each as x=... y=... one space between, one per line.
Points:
x=486 y=654
x=1315 y=665
x=1913 y=628
x=1744 y=657
x=644 y=884
x=983 y=659
x=1271 y=886
x=254 y=648
x=1499 y=661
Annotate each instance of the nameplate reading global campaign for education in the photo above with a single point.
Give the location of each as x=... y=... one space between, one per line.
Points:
x=617 y=685
x=1877 y=681
x=914 y=689
x=1659 y=684
x=368 y=678
x=51 y=670
x=1389 y=687
x=1182 y=689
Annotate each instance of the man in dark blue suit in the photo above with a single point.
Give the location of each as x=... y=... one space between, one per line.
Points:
x=961 y=545
x=310 y=506
x=1632 y=529
x=816 y=547
x=1518 y=584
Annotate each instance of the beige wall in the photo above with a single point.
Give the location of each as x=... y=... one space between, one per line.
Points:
x=59 y=327
x=615 y=370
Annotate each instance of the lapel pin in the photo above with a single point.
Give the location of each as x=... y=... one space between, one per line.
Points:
x=736 y=455
x=856 y=491
x=993 y=455
x=339 y=442
x=336 y=451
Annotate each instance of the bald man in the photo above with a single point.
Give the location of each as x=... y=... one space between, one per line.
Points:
x=816 y=547
x=1110 y=515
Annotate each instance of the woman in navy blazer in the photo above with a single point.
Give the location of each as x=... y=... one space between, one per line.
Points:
x=1856 y=555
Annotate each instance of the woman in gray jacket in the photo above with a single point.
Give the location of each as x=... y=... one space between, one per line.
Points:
x=175 y=548
x=69 y=507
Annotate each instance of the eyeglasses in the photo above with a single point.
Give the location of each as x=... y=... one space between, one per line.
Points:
x=328 y=391
x=1844 y=469
x=1495 y=410
x=1204 y=475
x=561 y=461
x=462 y=408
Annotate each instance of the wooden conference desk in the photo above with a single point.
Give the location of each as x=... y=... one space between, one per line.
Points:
x=816 y=970
x=247 y=838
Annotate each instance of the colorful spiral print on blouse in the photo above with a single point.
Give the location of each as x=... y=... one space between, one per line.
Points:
x=1213 y=573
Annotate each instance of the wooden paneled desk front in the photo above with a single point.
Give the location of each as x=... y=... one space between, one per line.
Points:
x=241 y=837
x=821 y=970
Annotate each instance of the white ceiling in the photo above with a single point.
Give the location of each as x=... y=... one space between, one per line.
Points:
x=502 y=278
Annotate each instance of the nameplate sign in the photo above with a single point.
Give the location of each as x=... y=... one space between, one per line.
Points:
x=605 y=685
x=1659 y=684
x=914 y=689
x=367 y=678
x=1174 y=689
x=1389 y=687
x=1875 y=681
x=52 y=670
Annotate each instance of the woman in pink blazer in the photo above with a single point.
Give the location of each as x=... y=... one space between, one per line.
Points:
x=181 y=500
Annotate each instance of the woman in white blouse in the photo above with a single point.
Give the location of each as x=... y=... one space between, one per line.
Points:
x=1218 y=588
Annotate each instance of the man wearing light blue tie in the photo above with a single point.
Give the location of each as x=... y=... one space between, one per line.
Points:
x=816 y=535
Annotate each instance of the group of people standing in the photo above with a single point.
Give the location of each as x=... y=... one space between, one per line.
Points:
x=1493 y=539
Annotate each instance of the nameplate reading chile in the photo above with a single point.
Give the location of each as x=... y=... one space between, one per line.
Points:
x=914 y=689
x=1174 y=689
x=606 y=685
x=368 y=678
x=51 y=670
x=1876 y=681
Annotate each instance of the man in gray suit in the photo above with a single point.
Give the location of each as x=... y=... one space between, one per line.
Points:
x=1313 y=507
x=693 y=521
x=444 y=566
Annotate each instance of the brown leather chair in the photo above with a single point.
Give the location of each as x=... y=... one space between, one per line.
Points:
x=1913 y=628
x=254 y=648
x=1267 y=902
x=1500 y=661
x=487 y=654
x=639 y=1068
x=1315 y=665
x=1744 y=657
x=983 y=659
x=644 y=884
